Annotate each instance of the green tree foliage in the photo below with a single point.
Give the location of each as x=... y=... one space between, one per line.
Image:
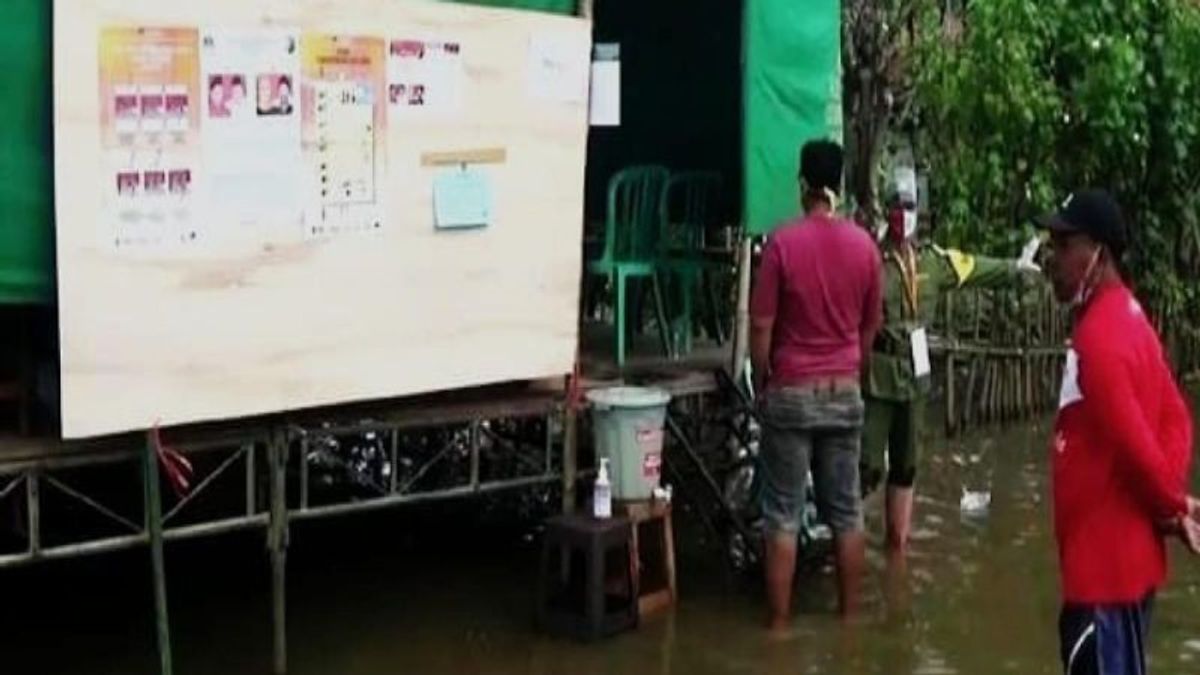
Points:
x=877 y=89
x=1020 y=101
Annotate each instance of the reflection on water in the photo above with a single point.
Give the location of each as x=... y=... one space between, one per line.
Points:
x=379 y=594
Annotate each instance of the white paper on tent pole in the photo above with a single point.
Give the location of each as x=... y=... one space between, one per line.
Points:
x=606 y=94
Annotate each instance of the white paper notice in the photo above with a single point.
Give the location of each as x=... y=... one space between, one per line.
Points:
x=606 y=94
x=425 y=77
x=251 y=134
x=558 y=69
x=920 y=352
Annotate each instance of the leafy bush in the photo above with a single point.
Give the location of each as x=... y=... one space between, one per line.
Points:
x=1017 y=102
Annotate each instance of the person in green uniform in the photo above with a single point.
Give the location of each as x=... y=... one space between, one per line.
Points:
x=897 y=379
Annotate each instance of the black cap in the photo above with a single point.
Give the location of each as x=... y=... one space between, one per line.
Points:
x=821 y=165
x=1093 y=212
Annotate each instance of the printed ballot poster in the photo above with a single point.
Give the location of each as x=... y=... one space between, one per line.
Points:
x=344 y=110
x=251 y=132
x=149 y=130
x=425 y=77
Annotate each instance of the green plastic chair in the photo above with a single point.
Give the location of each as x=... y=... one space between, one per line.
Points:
x=688 y=206
x=631 y=233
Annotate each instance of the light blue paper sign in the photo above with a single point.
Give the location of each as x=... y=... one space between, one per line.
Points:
x=462 y=198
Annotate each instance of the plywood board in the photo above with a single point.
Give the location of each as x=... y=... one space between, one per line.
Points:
x=194 y=293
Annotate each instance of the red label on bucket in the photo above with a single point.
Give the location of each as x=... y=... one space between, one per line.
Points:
x=651 y=442
x=652 y=465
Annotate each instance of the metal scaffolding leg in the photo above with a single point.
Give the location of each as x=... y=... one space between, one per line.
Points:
x=277 y=542
x=34 y=507
x=570 y=453
x=251 y=478
x=152 y=501
x=475 y=442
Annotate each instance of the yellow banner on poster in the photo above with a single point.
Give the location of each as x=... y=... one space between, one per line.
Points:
x=149 y=85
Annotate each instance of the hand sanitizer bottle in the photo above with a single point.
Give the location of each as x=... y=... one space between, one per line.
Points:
x=602 y=492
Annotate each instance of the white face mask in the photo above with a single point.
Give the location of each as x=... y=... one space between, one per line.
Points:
x=829 y=195
x=1085 y=283
x=832 y=197
x=910 y=223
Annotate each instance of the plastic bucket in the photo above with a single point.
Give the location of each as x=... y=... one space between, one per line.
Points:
x=627 y=424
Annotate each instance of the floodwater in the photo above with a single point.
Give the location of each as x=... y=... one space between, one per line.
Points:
x=447 y=589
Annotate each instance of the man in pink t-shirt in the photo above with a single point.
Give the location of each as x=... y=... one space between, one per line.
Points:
x=815 y=310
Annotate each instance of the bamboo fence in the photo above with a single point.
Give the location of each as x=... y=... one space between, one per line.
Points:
x=1001 y=353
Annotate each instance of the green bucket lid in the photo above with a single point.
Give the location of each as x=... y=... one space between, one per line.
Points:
x=628 y=397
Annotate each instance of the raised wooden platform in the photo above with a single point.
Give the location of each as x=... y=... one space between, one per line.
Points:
x=689 y=376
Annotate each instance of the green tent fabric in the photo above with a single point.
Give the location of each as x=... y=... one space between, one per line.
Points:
x=26 y=156
x=792 y=94
x=551 y=6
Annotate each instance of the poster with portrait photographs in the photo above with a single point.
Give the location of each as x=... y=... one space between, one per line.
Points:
x=252 y=153
x=425 y=77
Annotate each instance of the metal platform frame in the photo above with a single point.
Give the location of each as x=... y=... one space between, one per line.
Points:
x=270 y=456
x=34 y=475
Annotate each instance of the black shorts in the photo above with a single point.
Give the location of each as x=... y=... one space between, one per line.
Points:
x=1105 y=639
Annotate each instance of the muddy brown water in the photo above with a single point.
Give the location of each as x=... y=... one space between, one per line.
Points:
x=442 y=590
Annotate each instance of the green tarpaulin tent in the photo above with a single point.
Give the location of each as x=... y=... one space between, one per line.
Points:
x=792 y=94
x=26 y=156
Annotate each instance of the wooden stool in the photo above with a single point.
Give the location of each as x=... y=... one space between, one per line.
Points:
x=653 y=553
x=576 y=599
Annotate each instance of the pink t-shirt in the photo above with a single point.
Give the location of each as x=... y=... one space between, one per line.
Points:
x=820 y=279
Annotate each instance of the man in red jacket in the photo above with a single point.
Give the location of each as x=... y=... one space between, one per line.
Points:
x=1121 y=453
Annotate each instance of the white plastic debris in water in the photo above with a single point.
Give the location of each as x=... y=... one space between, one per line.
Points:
x=975 y=503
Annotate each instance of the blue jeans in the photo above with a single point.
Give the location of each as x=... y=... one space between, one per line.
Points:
x=821 y=428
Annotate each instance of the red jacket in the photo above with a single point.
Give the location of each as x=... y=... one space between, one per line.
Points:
x=1122 y=452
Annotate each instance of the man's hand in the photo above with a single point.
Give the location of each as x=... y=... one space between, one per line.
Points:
x=1186 y=526
x=1026 y=262
x=1189 y=532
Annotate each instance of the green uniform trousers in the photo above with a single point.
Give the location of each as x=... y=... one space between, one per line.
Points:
x=891 y=441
